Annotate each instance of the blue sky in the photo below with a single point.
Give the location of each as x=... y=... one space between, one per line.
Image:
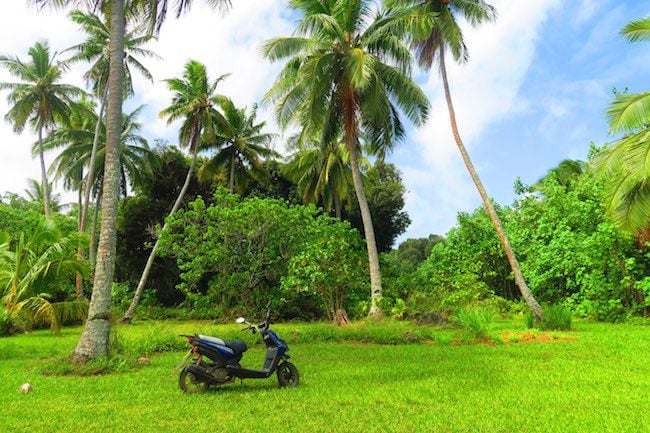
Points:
x=534 y=92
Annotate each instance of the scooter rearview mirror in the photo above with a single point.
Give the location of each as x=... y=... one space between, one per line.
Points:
x=240 y=320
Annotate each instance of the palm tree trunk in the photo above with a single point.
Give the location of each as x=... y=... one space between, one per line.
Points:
x=46 y=192
x=78 y=277
x=128 y=316
x=514 y=264
x=369 y=232
x=93 y=232
x=91 y=167
x=232 y=175
x=95 y=337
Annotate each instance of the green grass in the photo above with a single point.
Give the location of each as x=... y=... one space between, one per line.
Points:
x=597 y=382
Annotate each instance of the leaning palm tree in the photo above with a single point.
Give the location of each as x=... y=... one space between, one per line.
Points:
x=430 y=45
x=194 y=102
x=241 y=146
x=39 y=98
x=348 y=74
x=625 y=162
x=95 y=50
x=322 y=173
x=95 y=337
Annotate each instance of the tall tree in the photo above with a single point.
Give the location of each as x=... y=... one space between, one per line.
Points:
x=241 y=146
x=626 y=162
x=194 y=101
x=347 y=73
x=95 y=337
x=39 y=98
x=430 y=45
x=95 y=50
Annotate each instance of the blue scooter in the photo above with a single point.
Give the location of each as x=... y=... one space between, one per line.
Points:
x=213 y=361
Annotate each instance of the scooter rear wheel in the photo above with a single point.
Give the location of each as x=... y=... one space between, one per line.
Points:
x=288 y=374
x=190 y=383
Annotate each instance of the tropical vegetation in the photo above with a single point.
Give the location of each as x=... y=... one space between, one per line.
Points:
x=223 y=221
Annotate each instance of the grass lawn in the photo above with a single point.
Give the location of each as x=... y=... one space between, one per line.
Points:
x=597 y=382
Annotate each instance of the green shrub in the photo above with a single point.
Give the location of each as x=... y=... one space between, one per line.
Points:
x=8 y=324
x=556 y=318
x=476 y=324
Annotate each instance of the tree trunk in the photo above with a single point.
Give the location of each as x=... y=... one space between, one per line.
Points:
x=46 y=191
x=369 y=232
x=93 y=232
x=94 y=340
x=91 y=167
x=232 y=175
x=514 y=264
x=78 y=277
x=128 y=316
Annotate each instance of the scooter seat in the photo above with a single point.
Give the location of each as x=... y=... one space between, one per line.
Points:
x=238 y=346
x=214 y=340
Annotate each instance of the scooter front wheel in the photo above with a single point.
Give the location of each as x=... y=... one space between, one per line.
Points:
x=190 y=383
x=288 y=374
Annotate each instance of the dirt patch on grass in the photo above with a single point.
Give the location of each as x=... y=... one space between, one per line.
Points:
x=534 y=337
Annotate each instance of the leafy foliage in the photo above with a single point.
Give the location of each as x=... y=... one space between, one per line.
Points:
x=33 y=272
x=331 y=266
x=140 y=217
x=385 y=192
x=626 y=162
x=234 y=253
x=572 y=254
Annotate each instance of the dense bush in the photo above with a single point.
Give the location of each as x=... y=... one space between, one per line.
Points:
x=570 y=253
x=18 y=215
x=234 y=253
x=331 y=265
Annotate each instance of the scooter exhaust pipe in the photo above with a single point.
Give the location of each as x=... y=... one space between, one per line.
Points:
x=201 y=373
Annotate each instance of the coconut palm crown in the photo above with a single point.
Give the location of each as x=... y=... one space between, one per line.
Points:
x=348 y=73
x=39 y=98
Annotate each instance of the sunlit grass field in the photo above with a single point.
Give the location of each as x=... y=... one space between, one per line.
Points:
x=596 y=380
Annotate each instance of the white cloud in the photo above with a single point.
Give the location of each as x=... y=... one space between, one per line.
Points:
x=586 y=11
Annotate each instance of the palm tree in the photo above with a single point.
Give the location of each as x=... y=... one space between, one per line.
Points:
x=95 y=50
x=241 y=146
x=136 y=158
x=348 y=74
x=637 y=31
x=194 y=102
x=39 y=99
x=625 y=162
x=35 y=194
x=322 y=173
x=33 y=270
x=95 y=337
x=430 y=46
